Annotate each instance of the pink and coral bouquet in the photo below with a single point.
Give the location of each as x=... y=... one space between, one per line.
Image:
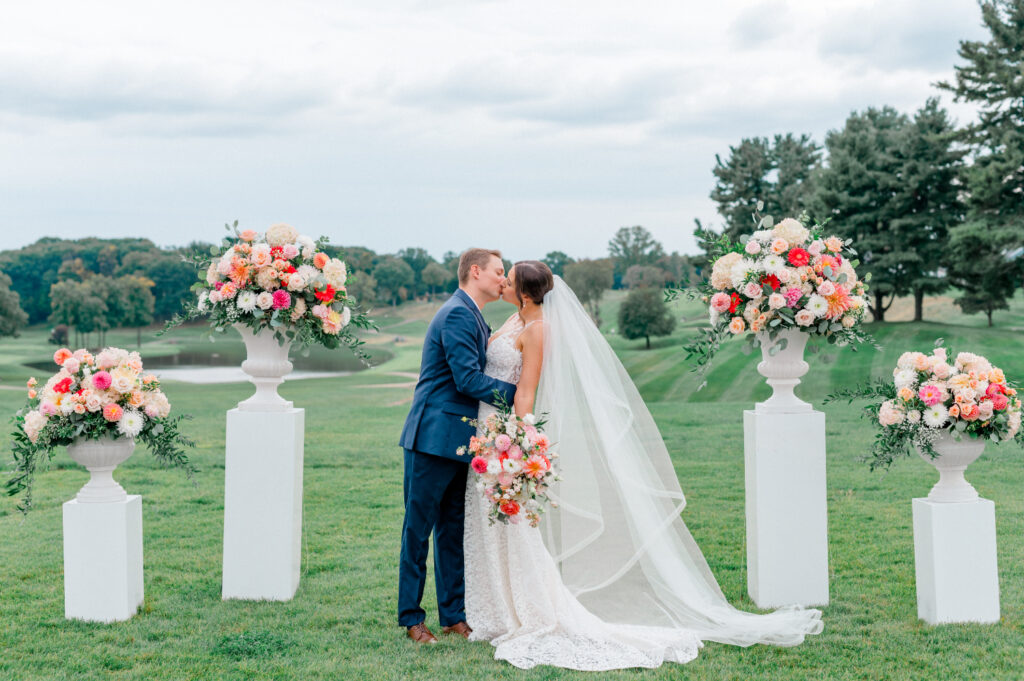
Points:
x=90 y=397
x=514 y=464
x=276 y=280
x=930 y=394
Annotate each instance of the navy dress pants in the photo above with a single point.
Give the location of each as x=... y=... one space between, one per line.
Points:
x=435 y=501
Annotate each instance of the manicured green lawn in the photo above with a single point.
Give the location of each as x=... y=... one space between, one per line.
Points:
x=341 y=624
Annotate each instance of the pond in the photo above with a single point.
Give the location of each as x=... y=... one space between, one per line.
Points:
x=222 y=364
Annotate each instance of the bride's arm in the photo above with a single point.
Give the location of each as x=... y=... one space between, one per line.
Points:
x=532 y=340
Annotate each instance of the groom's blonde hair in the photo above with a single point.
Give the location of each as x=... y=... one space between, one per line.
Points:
x=480 y=257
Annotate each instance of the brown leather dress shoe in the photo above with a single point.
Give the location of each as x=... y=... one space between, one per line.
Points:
x=460 y=628
x=420 y=634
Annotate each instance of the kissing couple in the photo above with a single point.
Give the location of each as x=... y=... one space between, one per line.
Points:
x=612 y=578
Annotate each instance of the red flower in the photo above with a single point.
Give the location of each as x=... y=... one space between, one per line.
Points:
x=735 y=302
x=63 y=387
x=772 y=280
x=290 y=269
x=325 y=296
x=509 y=508
x=798 y=257
x=276 y=252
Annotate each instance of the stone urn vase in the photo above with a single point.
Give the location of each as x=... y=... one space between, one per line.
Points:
x=100 y=457
x=954 y=456
x=266 y=364
x=782 y=364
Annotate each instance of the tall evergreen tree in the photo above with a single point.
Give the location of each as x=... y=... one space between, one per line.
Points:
x=856 y=189
x=633 y=246
x=927 y=203
x=12 y=317
x=992 y=77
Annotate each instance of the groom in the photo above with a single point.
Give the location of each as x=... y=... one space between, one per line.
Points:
x=451 y=385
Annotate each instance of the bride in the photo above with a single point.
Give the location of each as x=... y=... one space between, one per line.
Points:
x=612 y=578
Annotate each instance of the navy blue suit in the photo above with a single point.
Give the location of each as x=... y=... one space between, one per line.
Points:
x=451 y=385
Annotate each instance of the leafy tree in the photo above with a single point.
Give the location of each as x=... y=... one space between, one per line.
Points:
x=435 y=277
x=76 y=304
x=927 y=202
x=363 y=288
x=856 y=191
x=779 y=172
x=557 y=261
x=137 y=294
x=980 y=269
x=589 y=279
x=680 y=269
x=633 y=246
x=357 y=258
x=171 y=274
x=644 y=276
x=12 y=317
x=643 y=314
x=394 y=277
x=417 y=259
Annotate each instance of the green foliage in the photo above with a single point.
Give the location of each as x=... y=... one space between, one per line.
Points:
x=633 y=246
x=557 y=261
x=250 y=644
x=644 y=276
x=436 y=278
x=779 y=172
x=980 y=268
x=12 y=317
x=644 y=314
x=589 y=279
x=394 y=279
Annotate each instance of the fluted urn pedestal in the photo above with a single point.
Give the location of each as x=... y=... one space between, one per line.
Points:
x=955 y=541
x=786 y=510
x=263 y=480
x=102 y=538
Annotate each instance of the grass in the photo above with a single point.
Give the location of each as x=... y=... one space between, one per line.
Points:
x=341 y=624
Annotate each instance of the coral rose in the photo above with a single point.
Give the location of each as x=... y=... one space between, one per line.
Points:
x=509 y=508
x=737 y=325
x=61 y=356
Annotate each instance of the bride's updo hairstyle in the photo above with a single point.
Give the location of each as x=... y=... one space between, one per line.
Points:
x=533 y=280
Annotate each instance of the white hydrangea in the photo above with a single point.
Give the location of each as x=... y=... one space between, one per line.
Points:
x=335 y=273
x=792 y=231
x=281 y=234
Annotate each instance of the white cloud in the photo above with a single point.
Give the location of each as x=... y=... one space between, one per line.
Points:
x=425 y=123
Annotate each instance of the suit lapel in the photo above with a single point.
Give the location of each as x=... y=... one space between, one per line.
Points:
x=468 y=302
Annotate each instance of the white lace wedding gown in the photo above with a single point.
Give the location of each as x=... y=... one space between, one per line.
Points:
x=515 y=596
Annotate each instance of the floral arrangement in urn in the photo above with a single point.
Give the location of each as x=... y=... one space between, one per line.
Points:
x=279 y=280
x=783 y=276
x=931 y=399
x=103 y=397
x=513 y=461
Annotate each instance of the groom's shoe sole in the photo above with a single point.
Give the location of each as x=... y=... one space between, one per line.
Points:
x=420 y=634
x=460 y=628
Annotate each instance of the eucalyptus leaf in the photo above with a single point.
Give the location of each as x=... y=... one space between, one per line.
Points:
x=768 y=222
x=775 y=322
x=760 y=206
x=214 y=250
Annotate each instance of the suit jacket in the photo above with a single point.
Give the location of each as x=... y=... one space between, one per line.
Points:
x=452 y=382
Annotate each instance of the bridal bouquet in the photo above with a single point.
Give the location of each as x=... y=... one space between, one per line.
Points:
x=513 y=461
x=279 y=280
x=91 y=397
x=784 y=276
x=929 y=396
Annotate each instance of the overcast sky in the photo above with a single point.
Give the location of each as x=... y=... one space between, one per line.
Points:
x=527 y=126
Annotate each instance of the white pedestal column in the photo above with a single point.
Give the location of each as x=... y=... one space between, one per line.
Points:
x=955 y=561
x=103 y=559
x=787 y=514
x=263 y=504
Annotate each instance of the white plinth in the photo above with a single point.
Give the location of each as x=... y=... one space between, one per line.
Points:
x=103 y=559
x=955 y=561
x=263 y=504
x=787 y=513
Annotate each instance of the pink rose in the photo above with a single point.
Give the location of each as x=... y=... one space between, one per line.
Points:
x=804 y=318
x=71 y=365
x=48 y=409
x=479 y=464
x=776 y=301
x=999 y=401
x=826 y=288
x=720 y=302
x=505 y=479
x=290 y=250
x=752 y=247
x=101 y=380
x=753 y=290
x=282 y=299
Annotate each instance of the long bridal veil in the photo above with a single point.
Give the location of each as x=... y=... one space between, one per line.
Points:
x=617 y=534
